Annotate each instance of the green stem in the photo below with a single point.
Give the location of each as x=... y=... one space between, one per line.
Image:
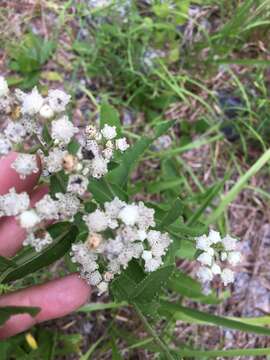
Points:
x=153 y=333
x=235 y=190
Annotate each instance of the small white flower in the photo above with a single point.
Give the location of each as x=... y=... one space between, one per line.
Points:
x=5 y=145
x=63 y=130
x=99 y=167
x=229 y=243
x=58 y=100
x=147 y=255
x=129 y=214
x=110 y=145
x=227 y=276
x=113 y=207
x=214 y=237
x=95 y=278
x=146 y=217
x=15 y=132
x=204 y=274
x=109 y=132
x=47 y=208
x=38 y=240
x=96 y=221
x=142 y=235
x=153 y=237
x=25 y=164
x=77 y=184
x=3 y=87
x=107 y=153
x=32 y=102
x=205 y=258
x=158 y=250
x=91 y=131
x=29 y=219
x=153 y=264
x=216 y=270
x=203 y=243
x=223 y=256
x=54 y=161
x=46 y=112
x=121 y=144
x=234 y=257
x=11 y=204
x=68 y=205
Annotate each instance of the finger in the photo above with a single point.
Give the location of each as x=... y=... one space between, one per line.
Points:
x=10 y=178
x=12 y=234
x=56 y=298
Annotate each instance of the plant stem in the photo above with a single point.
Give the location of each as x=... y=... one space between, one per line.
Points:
x=153 y=333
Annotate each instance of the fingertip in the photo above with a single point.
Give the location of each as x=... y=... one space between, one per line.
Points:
x=81 y=287
x=38 y=193
x=9 y=178
x=56 y=298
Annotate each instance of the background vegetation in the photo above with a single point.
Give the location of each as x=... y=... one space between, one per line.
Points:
x=205 y=65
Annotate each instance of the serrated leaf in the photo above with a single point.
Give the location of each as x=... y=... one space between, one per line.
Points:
x=173 y=214
x=123 y=286
x=102 y=191
x=7 y=311
x=147 y=290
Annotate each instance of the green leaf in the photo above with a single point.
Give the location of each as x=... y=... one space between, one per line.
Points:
x=202 y=317
x=123 y=286
x=163 y=185
x=58 y=183
x=101 y=306
x=109 y=115
x=129 y=159
x=162 y=127
x=73 y=147
x=148 y=289
x=204 y=354
x=5 y=263
x=7 y=311
x=190 y=288
x=173 y=213
x=29 y=261
x=210 y=195
x=102 y=191
x=238 y=186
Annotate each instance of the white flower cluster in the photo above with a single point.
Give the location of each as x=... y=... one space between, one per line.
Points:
x=215 y=252
x=34 y=220
x=117 y=234
x=29 y=115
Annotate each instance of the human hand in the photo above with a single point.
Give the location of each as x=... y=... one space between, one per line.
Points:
x=56 y=298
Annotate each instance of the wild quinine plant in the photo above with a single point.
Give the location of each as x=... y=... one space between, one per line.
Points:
x=120 y=246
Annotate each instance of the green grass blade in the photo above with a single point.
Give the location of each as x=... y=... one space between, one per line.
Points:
x=235 y=190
